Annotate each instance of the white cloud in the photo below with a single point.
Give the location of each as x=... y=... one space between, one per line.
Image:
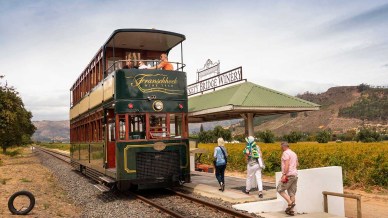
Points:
x=292 y=47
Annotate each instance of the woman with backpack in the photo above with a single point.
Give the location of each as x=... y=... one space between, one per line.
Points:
x=255 y=164
x=220 y=161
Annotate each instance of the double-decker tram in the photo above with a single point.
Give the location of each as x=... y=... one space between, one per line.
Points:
x=128 y=112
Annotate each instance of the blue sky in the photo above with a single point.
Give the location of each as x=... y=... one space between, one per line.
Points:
x=290 y=46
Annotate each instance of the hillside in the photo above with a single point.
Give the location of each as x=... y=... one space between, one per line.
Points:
x=342 y=108
x=332 y=101
x=47 y=131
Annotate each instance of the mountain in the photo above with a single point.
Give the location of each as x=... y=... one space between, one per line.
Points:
x=48 y=131
x=343 y=108
x=195 y=127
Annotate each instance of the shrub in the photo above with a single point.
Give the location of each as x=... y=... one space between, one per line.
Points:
x=367 y=135
x=267 y=136
x=323 y=136
x=13 y=153
x=362 y=164
x=240 y=138
x=293 y=137
x=211 y=136
x=348 y=136
x=206 y=136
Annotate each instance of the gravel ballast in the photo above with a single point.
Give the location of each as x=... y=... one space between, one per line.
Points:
x=93 y=203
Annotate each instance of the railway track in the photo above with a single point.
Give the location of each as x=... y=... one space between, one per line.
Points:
x=161 y=206
x=175 y=209
x=59 y=155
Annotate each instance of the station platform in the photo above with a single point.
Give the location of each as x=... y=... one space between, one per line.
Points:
x=207 y=185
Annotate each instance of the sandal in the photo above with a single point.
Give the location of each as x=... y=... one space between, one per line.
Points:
x=291 y=213
x=290 y=206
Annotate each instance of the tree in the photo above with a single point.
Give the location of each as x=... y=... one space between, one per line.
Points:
x=201 y=128
x=267 y=136
x=323 y=136
x=367 y=135
x=226 y=134
x=16 y=127
x=240 y=138
x=293 y=137
x=211 y=136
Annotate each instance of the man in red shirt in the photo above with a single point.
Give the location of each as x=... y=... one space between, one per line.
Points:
x=164 y=64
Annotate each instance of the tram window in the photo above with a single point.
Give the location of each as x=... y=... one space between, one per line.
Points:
x=176 y=125
x=111 y=136
x=137 y=127
x=158 y=126
x=122 y=128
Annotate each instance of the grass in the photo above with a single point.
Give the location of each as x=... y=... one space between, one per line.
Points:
x=60 y=146
x=4 y=181
x=25 y=180
x=46 y=206
x=14 y=153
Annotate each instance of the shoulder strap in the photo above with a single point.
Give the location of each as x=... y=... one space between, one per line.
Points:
x=222 y=151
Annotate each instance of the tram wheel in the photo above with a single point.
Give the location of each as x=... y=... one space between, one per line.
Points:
x=23 y=210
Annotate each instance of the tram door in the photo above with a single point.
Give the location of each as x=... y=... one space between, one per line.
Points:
x=111 y=139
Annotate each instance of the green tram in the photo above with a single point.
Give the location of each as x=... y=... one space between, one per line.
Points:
x=128 y=125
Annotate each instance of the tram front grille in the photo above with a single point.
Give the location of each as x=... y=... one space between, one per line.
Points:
x=157 y=164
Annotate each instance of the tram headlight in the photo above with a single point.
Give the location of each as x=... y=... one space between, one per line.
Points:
x=157 y=105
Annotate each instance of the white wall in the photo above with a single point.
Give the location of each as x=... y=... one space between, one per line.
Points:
x=311 y=183
x=309 y=198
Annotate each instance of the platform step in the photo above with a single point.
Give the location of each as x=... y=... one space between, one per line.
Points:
x=107 y=179
x=102 y=187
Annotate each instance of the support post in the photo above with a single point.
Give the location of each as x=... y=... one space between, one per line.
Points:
x=250 y=124
x=357 y=197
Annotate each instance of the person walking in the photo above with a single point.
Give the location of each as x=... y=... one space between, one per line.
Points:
x=254 y=157
x=289 y=178
x=220 y=159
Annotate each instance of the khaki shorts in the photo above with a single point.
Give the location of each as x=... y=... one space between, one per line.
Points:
x=290 y=186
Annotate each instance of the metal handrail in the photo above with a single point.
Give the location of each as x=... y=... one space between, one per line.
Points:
x=326 y=206
x=179 y=66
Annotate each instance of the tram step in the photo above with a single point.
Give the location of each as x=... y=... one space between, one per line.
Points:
x=107 y=179
x=102 y=187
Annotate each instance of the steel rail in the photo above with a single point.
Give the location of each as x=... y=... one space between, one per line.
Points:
x=235 y=213
x=62 y=157
x=214 y=206
x=59 y=155
x=160 y=207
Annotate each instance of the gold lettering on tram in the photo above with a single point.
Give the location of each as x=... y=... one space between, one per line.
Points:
x=155 y=83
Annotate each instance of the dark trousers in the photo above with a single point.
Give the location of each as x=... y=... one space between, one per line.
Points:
x=220 y=173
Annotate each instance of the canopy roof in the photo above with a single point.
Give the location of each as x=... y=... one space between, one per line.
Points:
x=247 y=97
x=144 y=39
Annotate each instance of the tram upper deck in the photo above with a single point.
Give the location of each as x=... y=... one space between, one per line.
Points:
x=123 y=45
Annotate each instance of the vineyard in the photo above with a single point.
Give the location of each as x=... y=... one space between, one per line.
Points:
x=363 y=164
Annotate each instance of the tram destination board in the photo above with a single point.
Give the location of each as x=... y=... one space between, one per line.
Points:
x=222 y=79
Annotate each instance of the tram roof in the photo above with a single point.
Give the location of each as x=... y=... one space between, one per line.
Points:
x=247 y=97
x=144 y=39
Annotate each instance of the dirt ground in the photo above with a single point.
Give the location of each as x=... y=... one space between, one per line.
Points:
x=373 y=205
x=24 y=172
